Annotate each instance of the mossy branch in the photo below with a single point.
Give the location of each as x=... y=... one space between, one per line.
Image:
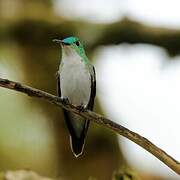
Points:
x=97 y=118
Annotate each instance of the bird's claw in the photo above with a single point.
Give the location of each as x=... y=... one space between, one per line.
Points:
x=65 y=100
x=80 y=108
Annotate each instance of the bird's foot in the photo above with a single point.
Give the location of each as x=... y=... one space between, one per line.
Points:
x=80 y=108
x=65 y=100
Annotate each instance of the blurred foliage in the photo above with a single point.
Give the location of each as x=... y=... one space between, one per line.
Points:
x=125 y=174
x=33 y=135
x=22 y=175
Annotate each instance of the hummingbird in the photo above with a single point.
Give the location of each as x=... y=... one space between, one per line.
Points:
x=76 y=83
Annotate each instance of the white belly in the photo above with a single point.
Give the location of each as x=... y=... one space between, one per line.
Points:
x=75 y=82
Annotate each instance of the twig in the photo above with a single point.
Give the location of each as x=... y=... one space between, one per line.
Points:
x=97 y=118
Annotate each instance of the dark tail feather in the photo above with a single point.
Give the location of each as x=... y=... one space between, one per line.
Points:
x=77 y=145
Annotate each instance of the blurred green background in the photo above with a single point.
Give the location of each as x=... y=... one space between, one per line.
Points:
x=33 y=134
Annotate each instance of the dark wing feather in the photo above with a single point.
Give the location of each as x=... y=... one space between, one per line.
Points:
x=58 y=85
x=92 y=97
x=93 y=89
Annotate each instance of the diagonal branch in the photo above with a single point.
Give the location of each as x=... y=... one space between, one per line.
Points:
x=97 y=118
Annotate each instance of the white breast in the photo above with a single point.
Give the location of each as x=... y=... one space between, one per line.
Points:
x=75 y=80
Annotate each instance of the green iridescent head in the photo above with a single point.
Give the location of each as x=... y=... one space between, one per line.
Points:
x=73 y=43
x=70 y=40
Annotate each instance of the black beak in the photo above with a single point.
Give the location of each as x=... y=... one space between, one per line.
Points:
x=60 y=42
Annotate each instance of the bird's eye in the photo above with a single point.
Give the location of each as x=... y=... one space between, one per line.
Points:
x=77 y=43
